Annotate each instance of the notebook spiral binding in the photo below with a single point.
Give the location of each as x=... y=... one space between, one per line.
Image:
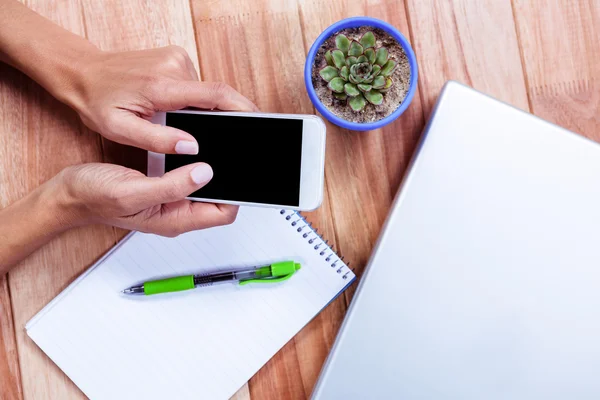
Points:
x=313 y=238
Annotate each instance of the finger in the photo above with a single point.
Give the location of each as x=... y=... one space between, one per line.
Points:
x=205 y=95
x=173 y=186
x=184 y=216
x=206 y=215
x=138 y=132
x=190 y=66
x=181 y=56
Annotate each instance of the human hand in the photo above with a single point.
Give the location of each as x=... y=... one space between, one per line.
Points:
x=122 y=197
x=117 y=93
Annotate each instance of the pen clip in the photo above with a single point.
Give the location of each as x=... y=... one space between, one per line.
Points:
x=268 y=280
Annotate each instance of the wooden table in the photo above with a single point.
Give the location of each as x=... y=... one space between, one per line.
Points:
x=539 y=55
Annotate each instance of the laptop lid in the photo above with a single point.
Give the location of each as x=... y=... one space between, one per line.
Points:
x=485 y=281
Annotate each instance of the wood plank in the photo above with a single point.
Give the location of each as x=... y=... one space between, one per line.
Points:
x=10 y=377
x=364 y=169
x=89 y=243
x=44 y=129
x=170 y=24
x=267 y=36
x=140 y=25
x=263 y=39
x=35 y=130
x=10 y=99
x=473 y=42
x=155 y=28
x=242 y=394
x=559 y=43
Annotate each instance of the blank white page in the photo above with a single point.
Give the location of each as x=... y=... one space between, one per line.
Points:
x=202 y=343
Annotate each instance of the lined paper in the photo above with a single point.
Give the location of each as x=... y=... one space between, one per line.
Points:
x=203 y=343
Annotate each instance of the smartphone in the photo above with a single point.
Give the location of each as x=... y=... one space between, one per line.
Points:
x=269 y=160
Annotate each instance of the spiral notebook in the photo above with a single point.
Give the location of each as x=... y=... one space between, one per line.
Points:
x=204 y=343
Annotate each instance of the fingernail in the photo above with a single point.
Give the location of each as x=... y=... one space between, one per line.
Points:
x=202 y=174
x=186 y=147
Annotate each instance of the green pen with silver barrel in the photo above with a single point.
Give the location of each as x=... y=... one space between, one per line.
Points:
x=273 y=273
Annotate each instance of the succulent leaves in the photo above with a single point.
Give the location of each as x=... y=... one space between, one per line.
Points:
x=374 y=97
x=351 y=89
x=379 y=82
x=336 y=85
x=344 y=72
x=388 y=85
x=329 y=58
x=381 y=56
x=351 y=61
x=357 y=103
x=339 y=59
x=358 y=71
x=328 y=73
x=355 y=49
x=388 y=68
x=368 y=40
x=342 y=43
x=370 y=54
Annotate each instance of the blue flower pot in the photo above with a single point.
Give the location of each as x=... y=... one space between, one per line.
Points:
x=357 y=22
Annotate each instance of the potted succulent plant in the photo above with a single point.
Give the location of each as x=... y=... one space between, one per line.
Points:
x=361 y=73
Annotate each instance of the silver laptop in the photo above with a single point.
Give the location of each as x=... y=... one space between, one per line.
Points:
x=485 y=282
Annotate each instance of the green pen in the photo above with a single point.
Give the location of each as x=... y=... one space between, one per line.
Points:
x=277 y=272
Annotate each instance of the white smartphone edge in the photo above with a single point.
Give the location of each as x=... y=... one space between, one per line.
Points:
x=312 y=166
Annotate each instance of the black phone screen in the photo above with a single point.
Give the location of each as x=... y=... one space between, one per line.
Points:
x=254 y=159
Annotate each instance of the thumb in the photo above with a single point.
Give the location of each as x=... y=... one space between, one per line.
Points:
x=173 y=186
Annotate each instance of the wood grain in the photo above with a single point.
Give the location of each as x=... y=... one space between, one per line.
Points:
x=10 y=377
x=559 y=43
x=545 y=62
x=364 y=169
x=473 y=42
x=63 y=259
x=10 y=99
x=242 y=394
x=42 y=137
x=269 y=38
x=159 y=24
x=140 y=25
x=42 y=129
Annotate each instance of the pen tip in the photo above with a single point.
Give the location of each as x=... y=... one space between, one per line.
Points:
x=134 y=290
